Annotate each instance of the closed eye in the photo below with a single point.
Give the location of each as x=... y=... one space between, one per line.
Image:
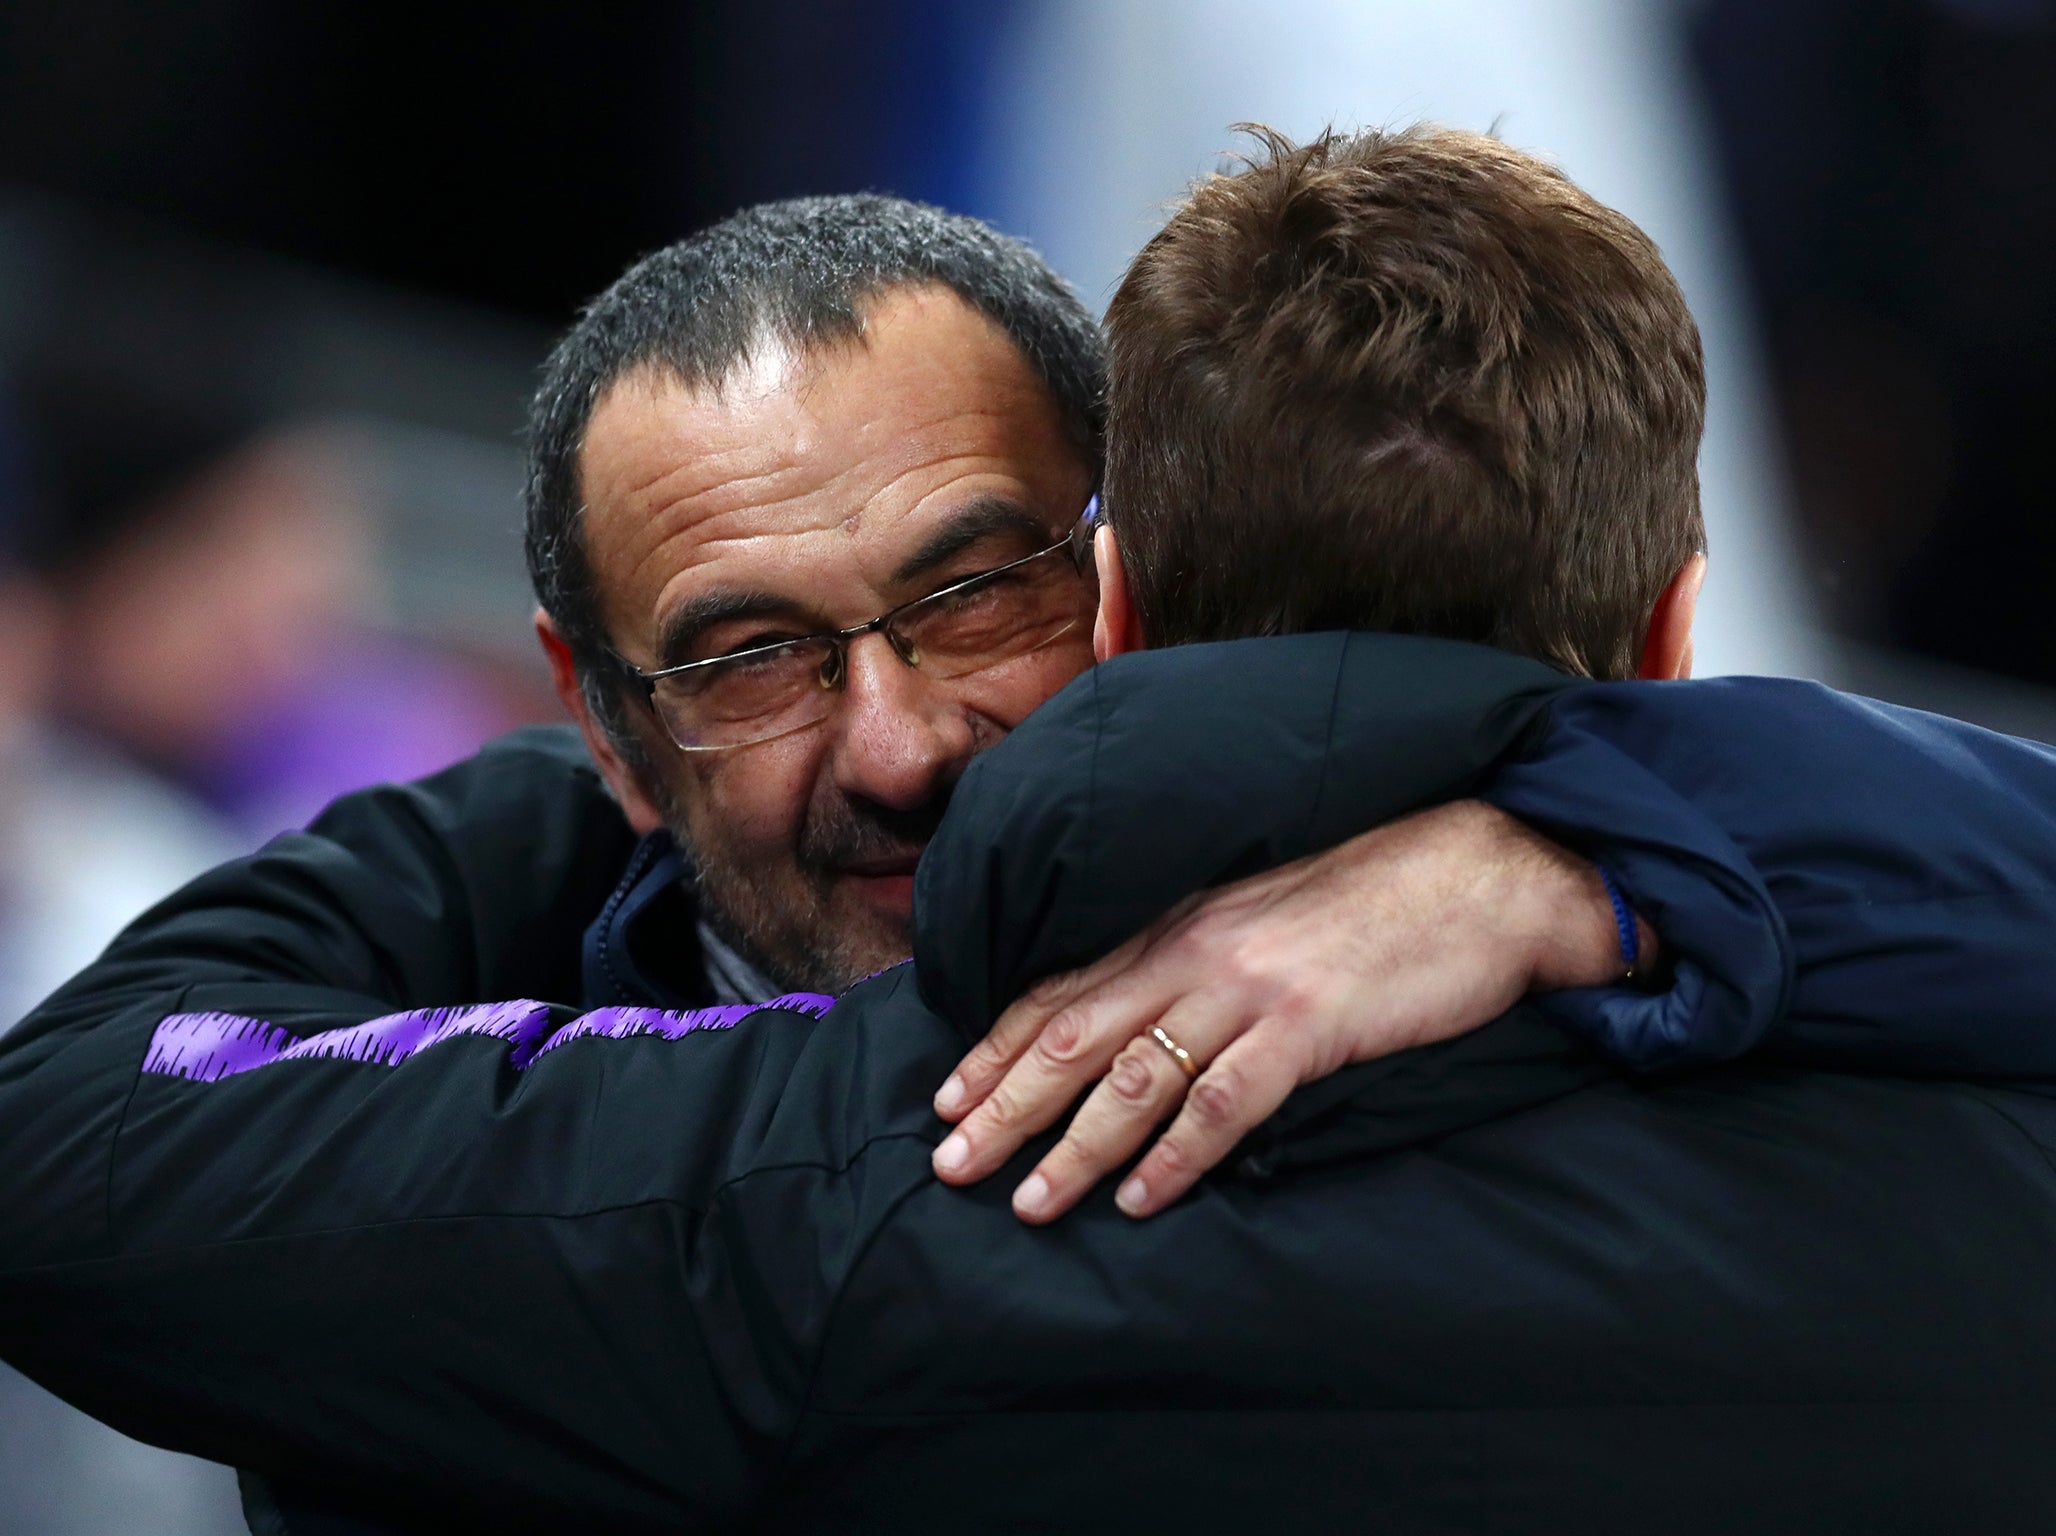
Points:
x=975 y=585
x=765 y=640
x=977 y=589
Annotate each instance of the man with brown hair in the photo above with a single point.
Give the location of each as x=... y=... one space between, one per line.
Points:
x=1475 y=390
x=1412 y=382
x=670 y=1269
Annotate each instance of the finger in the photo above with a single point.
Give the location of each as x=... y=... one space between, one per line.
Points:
x=1237 y=1092
x=1139 y=1092
x=1073 y=1051
x=1016 y=1029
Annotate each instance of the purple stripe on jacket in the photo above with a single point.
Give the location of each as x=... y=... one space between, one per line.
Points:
x=626 y=1023
x=206 y=1047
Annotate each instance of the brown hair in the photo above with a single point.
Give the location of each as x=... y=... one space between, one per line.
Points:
x=1410 y=381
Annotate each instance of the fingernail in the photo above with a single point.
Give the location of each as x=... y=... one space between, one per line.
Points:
x=1032 y=1196
x=953 y=1153
x=1132 y=1197
x=949 y=1095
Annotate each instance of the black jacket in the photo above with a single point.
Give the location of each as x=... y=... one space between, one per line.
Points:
x=654 y=1269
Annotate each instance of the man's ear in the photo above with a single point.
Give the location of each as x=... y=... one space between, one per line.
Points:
x=1116 y=630
x=1667 y=650
x=634 y=800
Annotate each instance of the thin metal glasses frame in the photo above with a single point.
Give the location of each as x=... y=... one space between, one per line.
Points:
x=1078 y=542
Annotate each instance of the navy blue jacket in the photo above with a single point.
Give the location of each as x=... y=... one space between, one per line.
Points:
x=653 y=1268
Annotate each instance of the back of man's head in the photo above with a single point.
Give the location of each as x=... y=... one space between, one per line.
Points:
x=1410 y=381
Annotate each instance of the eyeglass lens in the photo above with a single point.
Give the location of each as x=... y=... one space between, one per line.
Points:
x=771 y=692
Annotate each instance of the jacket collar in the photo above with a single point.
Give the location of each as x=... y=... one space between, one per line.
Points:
x=643 y=949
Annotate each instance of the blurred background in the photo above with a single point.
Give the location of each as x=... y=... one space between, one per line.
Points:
x=275 y=280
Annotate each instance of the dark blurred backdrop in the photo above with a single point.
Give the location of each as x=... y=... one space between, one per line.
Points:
x=503 y=155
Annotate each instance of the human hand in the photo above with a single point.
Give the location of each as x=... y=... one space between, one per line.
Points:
x=1415 y=932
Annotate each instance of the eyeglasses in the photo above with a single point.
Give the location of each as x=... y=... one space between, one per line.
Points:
x=768 y=691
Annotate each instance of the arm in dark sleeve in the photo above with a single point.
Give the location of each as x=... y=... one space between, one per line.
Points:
x=440 y=892
x=1841 y=882
x=1835 y=880
x=188 y=1244
x=474 y=883
x=565 y=1273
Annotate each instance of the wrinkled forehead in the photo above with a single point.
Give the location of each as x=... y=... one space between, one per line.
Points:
x=811 y=473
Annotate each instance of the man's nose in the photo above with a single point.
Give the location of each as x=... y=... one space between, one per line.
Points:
x=900 y=739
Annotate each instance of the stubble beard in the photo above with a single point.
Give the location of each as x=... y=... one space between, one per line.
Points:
x=781 y=916
x=784 y=928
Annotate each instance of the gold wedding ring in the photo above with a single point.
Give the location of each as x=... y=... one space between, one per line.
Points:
x=1178 y=1052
